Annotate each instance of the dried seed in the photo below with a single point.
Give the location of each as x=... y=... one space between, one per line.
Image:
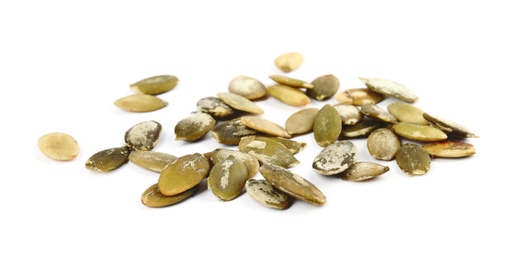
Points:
x=335 y=158
x=408 y=113
x=362 y=128
x=289 y=61
x=143 y=136
x=251 y=162
x=267 y=195
x=296 y=83
x=140 y=103
x=383 y=144
x=153 y=198
x=301 y=122
x=194 y=127
x=288 y=95
x=423 y=133
x=231 y=131
x=376 y=112
x=151 y=160
x=413 y=160
x=108 y=159
x=350 y=115
x=449 y=149
x=327 y=125
x=359 y=96
x=361 y=171
x=390 y=88
x=449 y=126
x=247 y=87
x=292 y=145
x=292 y=184
x=186 y=172
x=155 y=85
x=227 y=179
x=264 y=126
x=240 y=103
x=267 y=151
x=214 y=107
x=59 y=146
x=324 y=87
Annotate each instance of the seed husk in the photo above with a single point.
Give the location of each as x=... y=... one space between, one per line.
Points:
x=59 y=146
x=361 y=171
x=292 y=82
x=324 y=87
x=292 y=145
x=390 y=88
x=143 y=136
x=362 y=128
x=268 y=195
x=376 y=112
x=155 y=85
x=140 y=103
x=292 y=184
x=289 y=61
x=327 y=125
x=335 y=158
x=413 y=160
x=108 y=160
x=251 y=162
x=383 y=144
x=153 y=198
x=247 y=87
x=350 y=114
x=230 y=132
x=449 y=126
x=151 y=160
x=449 y=149
x=186 y=172
x=214 y=107
x=264 y=126
x=240 y=103
x=227 y=179
x=301 y=122
x=288 y=95
x=267 y=151
x=359 y=96
x=408 y=113
x=194 y=127
x=417 y=132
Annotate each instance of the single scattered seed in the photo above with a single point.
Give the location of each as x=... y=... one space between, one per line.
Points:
x=151 y=160
x=292 y=184
x=59 y=146
x=140 y=103
x=413 y=160
x=289 y=61
x=214 y=107
x=183 y=174
x=108 y=160
x=359 y=96
x=247 y=87
x=383 y=144
x=268 y=195
x=155 y=85
x=288 y=95
x=324 y=87
x=264 y=126
x=153 y=198
x=194 y=127
x=335 y=158
x=361 y=171
x=251 y=162
x=240 y=103
x=423 y=133
x=267 y=151
x=143 y=136
x=390 y=88
x=362 y=128
x=292 y=82
x=449 y=126
x=449 y=149
x=292 y=145
x=350 y=114
x=376 y=112
x=408 y=113
x=301 y=122
x=230 y=132
x=327 y=125
x=227 y=179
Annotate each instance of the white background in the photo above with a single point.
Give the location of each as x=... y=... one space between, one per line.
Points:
x=63 y=64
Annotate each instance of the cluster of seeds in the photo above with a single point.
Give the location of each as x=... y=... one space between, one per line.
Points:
x=233 y=118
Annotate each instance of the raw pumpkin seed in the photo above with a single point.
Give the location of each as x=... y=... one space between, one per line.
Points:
x=247 y=87
x=288 y=95
x=383 y=144
x=230 y=132
x=251 y=162
x=376 y=112
x=296 y=83
x=408 y=113
x=350 y=115
x=59 y=146
x=183 y=174
x=390 y=88
x=151 y=160
x=335 y=158
x=155 y=85
x=292 y=145
x=417 y=132
x=214 y=107
x=143 y=136
x=301 y=122
x=108 y=159
x=361 y=171
x=240 y=103
x=267 y=151
x=327 y=125
x=413 y=160
x=359 y=96
x=362 y=128
x=449 y=126
x=153 y=198
x=140 y=103
x=194 y=127
x=449 y=149
x=267 y=195
x=289 y=61
x=264 y=126
x=324 y=87
x=227 y=179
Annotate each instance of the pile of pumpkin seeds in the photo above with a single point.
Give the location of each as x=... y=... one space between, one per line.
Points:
x=258 y=145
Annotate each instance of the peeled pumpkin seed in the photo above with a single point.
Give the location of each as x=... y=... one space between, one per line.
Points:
x=247 y=87
x=359 y=96
x=383 y=144
x=227 y=179
x=361 y=171
x=408 y=113
x=350 y=115
x=324 y=87
x=153 y=198
x=251 y=162
x=288 y=95
x=289 y=61
x=108 y=159
x=155 y=85
x=151 y=160
x=449 y=126
x=335 y=158
x=214 y=107
x=194 y=127
x=59 y=146
x=390 y=88
x=240 y=103
x=140 y=103
x=230 y=132
x=296 y=83
x=376 y=112
x=301 y=122
x=327 y=125
x=267 y=195
x=292 y=184
x=183 y=174
x=413 y=160
x=449 y=149
x=417 y=132
x=362 y=128
x=292 y=145
x=143 y=136
x=267 y=151
x=264 y=126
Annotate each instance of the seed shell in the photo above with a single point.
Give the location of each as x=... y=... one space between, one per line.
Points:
x=108 y=159
x=186 y=172
x=292 y=82
x=449 y=126
x=264 y=126
x=449 y=149
x=376 y=112
x=383 y=144
x=153 y=198
x=247 y=87
x=227 y=179
x=267 y=151
x=324 y=87
x=289 y=61
x=361 y=171
x=413 y=160
x=59 y=146
x=155 y=85
x=267 y=195
x=230 y=132
x=151 y=160
x=327 y=125
x=143 y=136
x=335 y=158
x=405 y=112
x=301 y=122
x=390 y=88
x=350 y=115
x=194 y=127
x=240 y=103
x=362 y=128
x=359 y=96
x=417 y=132
x=288 y=95
x=140 y=103
x=251 y=162
x=214 y=107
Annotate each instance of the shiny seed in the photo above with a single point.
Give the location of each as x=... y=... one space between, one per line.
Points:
x=267 y=195
x=423 y=133
x=108 y=159
x=151 y=160
x=449 y=149
x=390 y=88
x=361 y=171
x=59 y=146
x=186 y=172
x=327 y=125
x=251 y=162
x=288 y=95
x=227 y=179
x=413 y=160
x=292 y=184
x=350 y=115
x=143 y=136
x=140 y=103
x=301 y=122
x=383 y=144
x=335 y=158
x=230 y=132
x=324 y=87
x=247 y=87
x=153 y=198
x=214 y=107
x=264 y=126
x=292 y=145
x=289 y=61
x=267 y=151
x=296 y=83
x=194 y=127
x=449 y=126
x=376 y=112
x=362 y=128
x=240 y=103
x=358 y=96
x=155 y=85
x=408 y=113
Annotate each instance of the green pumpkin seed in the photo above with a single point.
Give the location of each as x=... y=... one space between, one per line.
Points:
x=214 y=107
x=264 y=126
x=362 y=128
x=408 y=113
x=335 y=158
x=247 y=87
x=390 y=88
x=449 y=149
x=361 y=171
x=194 y=127
x=240 y=103
x=327 y=125
x=423 y=133
x=413 y=160
x=301 y=122
x=267 y=151
x=140 y=103
x=296 y=83
x=230 y=132
x=143 y=136
x=292 y=145
x=183 y=174
x=155 y=85
x=59 y=146
x=108 y=159
x=289 y=61
x=267 y=195
x=324 y=87
x=383 y=144
x=449 y=126
x=251 y=162
x=358 y=97
x=227 y=179
x=153 y=198
x=288 y=95
x=376 y=112
x=151 y=160
x=350 y=115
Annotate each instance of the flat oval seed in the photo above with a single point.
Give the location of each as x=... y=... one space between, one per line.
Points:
x=449 y=149
x=359 y=96
x=288 y=95
x=186 y=172
x=408 y=113
x=292 y=184
x=390 y=88
x=350 y=115
x=227 y=179
x=194 y=127
x=362 y=128
x=449 y=126
x=413 y=160
x=377 y=112
x=264 y=126
x=58 y=146
x=324 y=87
x=267 y=195
x=140 y=103
x=335 y=158
x=327 y=125
x=361 y=171
x=289 y=61
x=155 y=85
x=292 y=145
x=383 y=144
x=423 y=133
x=301 y=122
x=251 y=162
x=151 y=160
x=240 y=103
x=296 y=83
x=230 y=132
x=214 y=107
x=247 y=87
x=108 y=159
x=143 y=136
x=153 y=198
x=267 y=151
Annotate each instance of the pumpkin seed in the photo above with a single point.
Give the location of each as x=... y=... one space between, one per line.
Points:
x=408 y=113
x=296 y=83
x=301 y=122
x=376 y=112
x=335 y=158
x=214 y=107
x=292 y=184
x=183 y=174
x=324 y=87
x=267 y=195
x=140 y=103
x=151 y=160
x=251 y=162
x=153 y=198
x=327 y=125
x=383 y=144
x=264 y=126
x=449 y=126
x=424 y=133
x=361 y=171
x=231 y=131
x=292 y=145
x=267 y=151
x=247 y=87
x=194 y=127
x=359 y=96
x=155 y=85
x=350 y=115
x=227 y=179
x=59 y=146
x=108 y=159
x=390 y=88
x=289 y=61
x=288 y=95
x=449 y=149
x=362 y=128
x=240 y=103
x=143 y=136
x=413 y=160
